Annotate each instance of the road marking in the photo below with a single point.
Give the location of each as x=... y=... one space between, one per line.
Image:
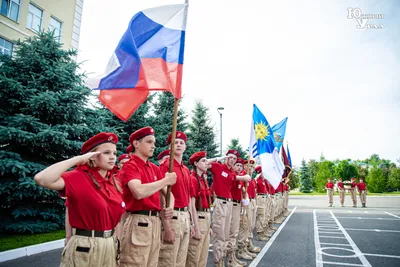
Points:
x=391 y=214
x=366 y=218
x=336 y=244
x=365 y=211
x=324 y=232
x=362 y=258
x=381 y=255
x=372 y=230
x=340 y=263
x=318 y=254
x=333 y=237
x=269 y=243
x=350 y=211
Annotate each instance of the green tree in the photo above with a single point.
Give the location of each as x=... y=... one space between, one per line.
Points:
x=294 y=179
x=201 y=135
x=162 y=123
x=305 y=178
x=376 y=180
x=43 y=120
x=313 y=167
x=325 y=171
x=234 y=144
x=394 y=179
x=345 y=170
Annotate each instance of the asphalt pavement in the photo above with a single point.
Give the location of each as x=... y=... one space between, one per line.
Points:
x=313 y=235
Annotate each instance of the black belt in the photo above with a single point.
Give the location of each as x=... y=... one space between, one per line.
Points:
x=236 y=201
x=146 y=212
x=181 y=209
x=226 y=199
x=94 y=233
x=262 y=194
x=201 y=209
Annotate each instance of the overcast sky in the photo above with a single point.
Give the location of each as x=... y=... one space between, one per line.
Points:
x=305 y=60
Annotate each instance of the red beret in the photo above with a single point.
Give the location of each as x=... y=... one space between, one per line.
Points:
x=352 y=179
x=258 y=169
x=163 y=154
x=252 y=162
x=240 y=160
x=197 y=156
x=143 y=132
x=232 y=151
x=123 y=156
x=99 y=139
x=129 y=149
x=179 y=135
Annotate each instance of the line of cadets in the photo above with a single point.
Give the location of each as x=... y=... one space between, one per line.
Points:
x=361 y=187
x=118 y=216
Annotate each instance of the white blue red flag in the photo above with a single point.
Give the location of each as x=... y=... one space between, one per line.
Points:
x=149 y=56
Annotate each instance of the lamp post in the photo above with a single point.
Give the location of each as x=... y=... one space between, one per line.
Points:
x=220 y=110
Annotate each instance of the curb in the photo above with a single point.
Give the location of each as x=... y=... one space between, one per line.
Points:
x=30 y=250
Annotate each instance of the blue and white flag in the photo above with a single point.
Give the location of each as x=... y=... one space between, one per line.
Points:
x=271 y=163
x=279 y=131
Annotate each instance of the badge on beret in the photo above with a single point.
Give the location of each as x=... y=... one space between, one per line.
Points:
x=179 y=134
x=110 y=138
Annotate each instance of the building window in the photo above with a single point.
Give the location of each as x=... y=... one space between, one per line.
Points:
x=56 y=26
x=5 y=46
x=34 y=18
x=10 y=8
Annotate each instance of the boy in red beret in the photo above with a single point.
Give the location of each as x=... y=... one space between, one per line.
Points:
x=163 y=156
x=223 y=180
x=177 y=230
x=353 y=192
x=122 y=159
x=329 y=186
x=362 y=189
x=95 y=205
x=142 y=183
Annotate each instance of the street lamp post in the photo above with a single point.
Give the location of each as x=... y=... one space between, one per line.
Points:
x=220 y=110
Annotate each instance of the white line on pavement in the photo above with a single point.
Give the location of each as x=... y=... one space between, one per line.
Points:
x=372 y=230
x=336 y=244
x=318 y=254
x=340 y=263
x=392 y=214
x=325 y=232
x=332 y=237
x=381 y=255
x=362 y=258
x=269 y=243
x=366 y=218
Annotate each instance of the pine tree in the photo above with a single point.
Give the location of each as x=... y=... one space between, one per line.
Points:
x=43 y=120
x=305 y=178
x=234 y=144
x=162 y=123
x=201 y=135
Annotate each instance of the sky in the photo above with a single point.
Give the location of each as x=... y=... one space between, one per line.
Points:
x=306 y=60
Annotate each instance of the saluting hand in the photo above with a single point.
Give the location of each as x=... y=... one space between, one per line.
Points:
x=83 y=159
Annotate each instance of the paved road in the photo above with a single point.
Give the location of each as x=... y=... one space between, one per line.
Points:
x=314 y=235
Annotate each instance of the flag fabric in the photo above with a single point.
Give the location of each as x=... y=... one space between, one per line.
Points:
x=288 y=154
x=148 y=57
x=286 y=162
x=253 y=142
x=271 y=163
x=279 y=130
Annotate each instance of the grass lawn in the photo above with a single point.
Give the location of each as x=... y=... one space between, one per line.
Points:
x=336 y=193
x=8 y=242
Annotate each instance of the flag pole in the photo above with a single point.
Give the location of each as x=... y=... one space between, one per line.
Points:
x=172 y=153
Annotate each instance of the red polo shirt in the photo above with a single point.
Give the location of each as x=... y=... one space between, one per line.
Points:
x=90 y=207
x=223 y=179
x=200 y=191
x=181 y=189
x=285 y=187
x=261 y=187
x=270 y=188
x=279 y=188
x=237 y=193
x=146 y=172
x=353 y=185
x=329 y=185
x=362 y=186
x=251 y=189
x=340 y=185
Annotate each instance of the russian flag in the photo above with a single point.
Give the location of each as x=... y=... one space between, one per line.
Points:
x=149 y=56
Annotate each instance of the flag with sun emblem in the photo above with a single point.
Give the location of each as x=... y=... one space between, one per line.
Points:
x=271 y=163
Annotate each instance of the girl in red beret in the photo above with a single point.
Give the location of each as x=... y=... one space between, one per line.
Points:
x=201 y=196
x=95 y=203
